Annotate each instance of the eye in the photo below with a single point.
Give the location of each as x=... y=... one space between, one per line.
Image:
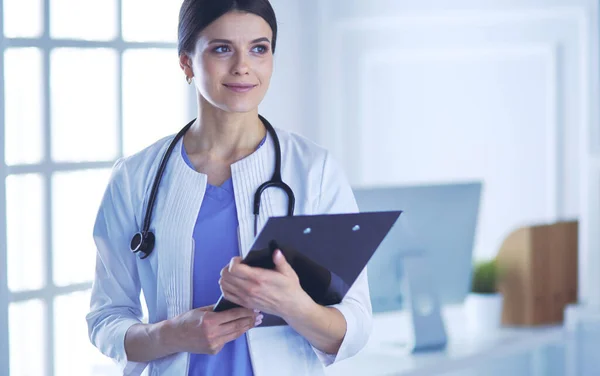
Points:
x=221 y=49
x=260 y=49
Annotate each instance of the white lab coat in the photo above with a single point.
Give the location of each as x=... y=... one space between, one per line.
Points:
x=165 y=277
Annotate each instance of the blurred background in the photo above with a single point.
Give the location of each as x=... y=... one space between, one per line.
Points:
x=402 y=92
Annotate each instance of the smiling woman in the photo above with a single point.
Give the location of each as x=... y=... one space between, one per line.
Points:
x=216 y=178
x=223 y=59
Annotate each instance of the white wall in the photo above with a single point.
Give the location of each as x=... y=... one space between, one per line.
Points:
x=438 y=91
x=431 y=78
x=291 y=100
x=432 y=91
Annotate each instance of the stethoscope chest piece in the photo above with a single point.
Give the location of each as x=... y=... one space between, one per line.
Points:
x=143 y=243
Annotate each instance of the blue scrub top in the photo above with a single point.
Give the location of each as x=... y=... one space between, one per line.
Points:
x=216 y=243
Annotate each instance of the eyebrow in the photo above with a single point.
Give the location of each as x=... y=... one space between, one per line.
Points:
x=225 y=41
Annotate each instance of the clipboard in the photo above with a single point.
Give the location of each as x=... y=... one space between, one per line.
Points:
x=327 y=251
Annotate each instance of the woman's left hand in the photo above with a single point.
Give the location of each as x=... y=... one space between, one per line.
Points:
x=277 y=292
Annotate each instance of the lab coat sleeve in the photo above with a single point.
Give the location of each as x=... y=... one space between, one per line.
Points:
x=115 y=302
x=337 y=197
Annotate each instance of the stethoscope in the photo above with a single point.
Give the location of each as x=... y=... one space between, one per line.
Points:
x=144 y=240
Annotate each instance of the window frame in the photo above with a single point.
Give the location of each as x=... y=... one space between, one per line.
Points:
x=46 y=168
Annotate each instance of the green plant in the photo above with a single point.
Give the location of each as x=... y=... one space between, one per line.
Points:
x=485 y=277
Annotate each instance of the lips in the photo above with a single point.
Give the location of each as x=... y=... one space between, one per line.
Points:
x=240 y=88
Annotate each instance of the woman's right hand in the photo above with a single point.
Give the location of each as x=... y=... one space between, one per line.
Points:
x=202 y=331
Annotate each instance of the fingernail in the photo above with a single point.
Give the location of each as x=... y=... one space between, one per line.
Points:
x=258 y=320
x=257 y=311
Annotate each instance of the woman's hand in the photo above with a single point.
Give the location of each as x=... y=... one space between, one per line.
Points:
x=276 y=292
x=202 y=331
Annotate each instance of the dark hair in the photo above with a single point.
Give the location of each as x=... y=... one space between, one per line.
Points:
x=195 y=15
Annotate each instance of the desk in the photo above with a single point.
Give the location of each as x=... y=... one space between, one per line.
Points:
x=507 y=351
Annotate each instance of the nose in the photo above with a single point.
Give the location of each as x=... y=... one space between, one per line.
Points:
x=240 y=66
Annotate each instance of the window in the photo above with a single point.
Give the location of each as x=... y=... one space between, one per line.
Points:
x=83 y=84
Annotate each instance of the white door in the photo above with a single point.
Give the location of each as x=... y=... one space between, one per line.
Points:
x=439 y=91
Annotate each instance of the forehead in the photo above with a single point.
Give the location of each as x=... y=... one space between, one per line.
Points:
x=237 y=26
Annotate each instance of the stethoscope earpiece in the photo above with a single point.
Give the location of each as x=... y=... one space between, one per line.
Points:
x=142 y=243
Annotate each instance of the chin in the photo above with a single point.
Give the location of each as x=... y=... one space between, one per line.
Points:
x=240 y=106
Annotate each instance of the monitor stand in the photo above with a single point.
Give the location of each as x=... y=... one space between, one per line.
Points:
x=423 y=304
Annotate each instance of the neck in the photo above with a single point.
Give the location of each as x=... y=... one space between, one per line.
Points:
x=224 y=135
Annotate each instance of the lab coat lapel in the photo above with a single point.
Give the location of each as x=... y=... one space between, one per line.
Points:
x=177 y=206
x=248 y=174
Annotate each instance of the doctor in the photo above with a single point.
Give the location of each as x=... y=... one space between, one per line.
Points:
x=177 y=217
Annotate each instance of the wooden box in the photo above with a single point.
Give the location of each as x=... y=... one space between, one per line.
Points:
x=539 y=266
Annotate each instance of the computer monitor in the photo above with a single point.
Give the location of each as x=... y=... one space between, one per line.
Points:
x=439 y=221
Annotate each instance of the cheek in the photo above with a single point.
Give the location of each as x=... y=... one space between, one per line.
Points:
x=265 y=71
x=264 y=74
x=211 y=72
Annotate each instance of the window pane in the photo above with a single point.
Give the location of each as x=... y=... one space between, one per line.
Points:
x=24 y=114
x=75 y=201
x=84 y=104
x=25 y=226
x=74 y=353
x=155 y=97
x=27 y=338
x=87 y=20
x=23 y=18
x=150 y=20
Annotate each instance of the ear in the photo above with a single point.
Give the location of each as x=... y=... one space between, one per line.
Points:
x=185 y=62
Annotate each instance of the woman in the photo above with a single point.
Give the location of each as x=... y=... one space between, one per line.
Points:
x=203 y=221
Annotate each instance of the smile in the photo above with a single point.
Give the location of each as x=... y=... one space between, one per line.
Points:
x=240 y=88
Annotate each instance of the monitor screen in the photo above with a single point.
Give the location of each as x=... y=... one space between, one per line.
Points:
x=438 y=221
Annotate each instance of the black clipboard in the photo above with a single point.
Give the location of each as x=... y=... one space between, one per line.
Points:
x=327 y=251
